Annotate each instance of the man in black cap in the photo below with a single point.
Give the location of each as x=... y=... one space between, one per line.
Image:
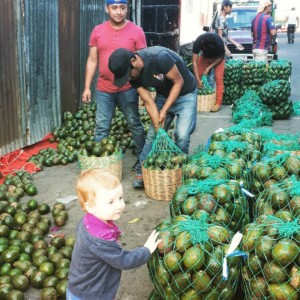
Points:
x=176 y=91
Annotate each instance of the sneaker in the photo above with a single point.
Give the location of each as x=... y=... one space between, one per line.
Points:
x=215 y=108
x=134 y=167
x=139 y=182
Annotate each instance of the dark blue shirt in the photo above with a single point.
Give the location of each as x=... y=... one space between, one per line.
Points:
x=158 y=61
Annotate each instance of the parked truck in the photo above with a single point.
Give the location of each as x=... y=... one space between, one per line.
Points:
x=239 y=22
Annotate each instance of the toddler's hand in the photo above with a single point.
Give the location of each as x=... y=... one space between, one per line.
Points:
x=152 y=243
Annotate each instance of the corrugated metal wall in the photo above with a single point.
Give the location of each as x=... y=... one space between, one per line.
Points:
x=11 y=131
x=44 y=47
x=41 y=58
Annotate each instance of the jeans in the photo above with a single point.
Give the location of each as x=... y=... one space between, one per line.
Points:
x=128 y=103
x=69 y=296
x=290 y=32
x=185 y=110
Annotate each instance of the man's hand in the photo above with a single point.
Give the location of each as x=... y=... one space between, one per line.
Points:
x=240 y=47
x=86 y=96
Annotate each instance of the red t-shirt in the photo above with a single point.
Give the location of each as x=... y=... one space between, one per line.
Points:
x=107 y=40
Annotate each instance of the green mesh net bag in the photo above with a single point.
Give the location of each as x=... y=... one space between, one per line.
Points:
x=188 y=263
x=280 y=199
x=254 y=72
x=296 y=108
x=238 y=134
x=222 y=201
x=233 y=72
x=203 y=166
x=249 y=106
x=250 y=87
x=206 y=89
x=279 y=69
x=271 y=170
x=275 y=92
x=238 y=149
x=272 y=268
x=162 y=168
x=274 y=143
x=282 y=111
x=164 y=154
x=231 y=93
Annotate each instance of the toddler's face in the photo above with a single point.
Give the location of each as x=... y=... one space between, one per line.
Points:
x=108 y=206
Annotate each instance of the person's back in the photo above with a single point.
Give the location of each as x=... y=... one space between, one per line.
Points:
x=262 y=30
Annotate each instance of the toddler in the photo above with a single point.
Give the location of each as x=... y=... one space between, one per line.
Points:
x=97 y=258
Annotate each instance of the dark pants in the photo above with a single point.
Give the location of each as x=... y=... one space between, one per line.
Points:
x=291 y=29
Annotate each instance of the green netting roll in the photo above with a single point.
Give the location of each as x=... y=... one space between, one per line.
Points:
x=221 y=201
x=272 y=269
x=188 y=263
x=249 y=106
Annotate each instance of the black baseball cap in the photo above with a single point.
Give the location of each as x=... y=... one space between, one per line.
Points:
x=120 y=65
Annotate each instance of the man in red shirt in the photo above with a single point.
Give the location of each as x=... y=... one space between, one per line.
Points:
x=106 y=38
x=263 y=31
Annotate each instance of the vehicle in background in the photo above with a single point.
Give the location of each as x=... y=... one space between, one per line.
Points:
x=239 y=22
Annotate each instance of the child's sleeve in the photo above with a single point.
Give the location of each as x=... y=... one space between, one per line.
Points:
x=115 y=256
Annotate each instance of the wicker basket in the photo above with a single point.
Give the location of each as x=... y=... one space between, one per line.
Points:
x=161 y=185
x=205 y=102
x=112 y=163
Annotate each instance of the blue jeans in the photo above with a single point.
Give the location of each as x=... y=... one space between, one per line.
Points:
x=69 y=296
x=185 y=110
x=128 y=103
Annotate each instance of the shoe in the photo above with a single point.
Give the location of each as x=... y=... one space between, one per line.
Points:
x=215 y=108
x=134 y=167
x=139 y=182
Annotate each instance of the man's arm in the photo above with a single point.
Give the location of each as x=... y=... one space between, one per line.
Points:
x=149 y=105
x=91 y=66
x=195 y=58
x=175 y=76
